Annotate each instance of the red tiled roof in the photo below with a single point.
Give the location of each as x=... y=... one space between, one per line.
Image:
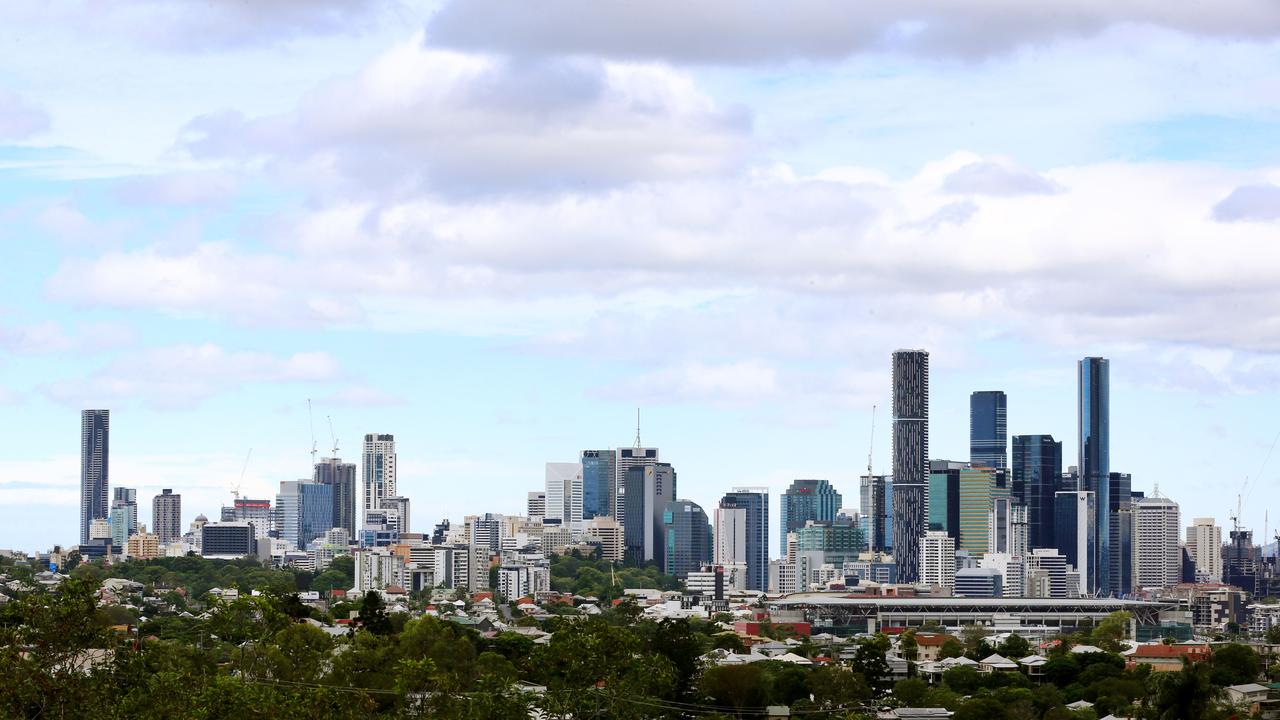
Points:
x=1169 y=651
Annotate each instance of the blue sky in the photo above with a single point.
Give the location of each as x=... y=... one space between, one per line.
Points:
x=495 y=233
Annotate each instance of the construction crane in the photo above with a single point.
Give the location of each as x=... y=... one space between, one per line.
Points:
x=332 y=437
x=311 y=421
x=235 y=489
x=871 y=445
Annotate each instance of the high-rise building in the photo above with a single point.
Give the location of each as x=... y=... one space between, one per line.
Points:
x=166 y=516
x=1204 y=545
x=609 y=534
x=124 y=515
x=647 y=491
x=988 y=429
x=876 y=496
x=304 y=511
x=1121 y=496
x=1158 y=555
x=944 y=496
x=95 y=432
x=624 y=460
x=938 y=560
x=806 y=500
x=1046 y=575
x=342 y=478
x=979 y=488
x=564 y=494
x=227 y=540
x=1094 y=422
x=598 y=477
x=1240 y=566
x=1075 y=531
x=910 y=459
x=378 y=471
x=687 y=538
x=536 y=505
x=1007 y=527
x=742 y=533
x=257 y=512
x=397 y=507
x=837 y=542
x=1037 y=469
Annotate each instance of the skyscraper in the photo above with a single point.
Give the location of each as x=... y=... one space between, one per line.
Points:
x=124 y=515
x=95 y=431
x=536 y=505
x=910 y=458
x=938 y=560
x=564 y=494
x=806 y=500
x=645 y=495
x=876 y=496
x=944 y=497
x=979 y=488
x=742 y=533
x=598 y=477
x=1094 y=422
x=1007 y=527
x=1204 y=545
x=686 y=536
x=988 y=429
x=1158 y=556
x=1037 y=467
x=1075 y=520
x=166 y=516
x=1121 y=517
x=379 y=471
x=342 y=478
x=624 y=460
x=304 y=511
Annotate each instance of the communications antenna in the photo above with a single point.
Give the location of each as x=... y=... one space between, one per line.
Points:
x=638 y=427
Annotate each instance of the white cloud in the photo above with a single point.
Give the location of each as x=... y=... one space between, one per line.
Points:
x=730 y=384
x=997 y=178
x=727 y=31
x=417 y=118
x=1249 y=203
x=180 y=376
x=20 y=119
x=180 y=188
x=362 y=396
x=49 y=337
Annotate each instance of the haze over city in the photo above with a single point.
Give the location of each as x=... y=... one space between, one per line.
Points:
x=496 y=233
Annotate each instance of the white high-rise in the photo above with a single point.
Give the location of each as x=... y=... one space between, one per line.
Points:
x=1157 y=555
x=938 y=560
x=1204 y=545
x=378 y=468
x=564 y=494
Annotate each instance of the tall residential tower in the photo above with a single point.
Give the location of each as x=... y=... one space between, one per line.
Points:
x=910 y=458
x=95 y=431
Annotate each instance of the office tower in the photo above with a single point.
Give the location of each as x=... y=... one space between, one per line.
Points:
x=1121 y=497
x=876 y=496
x=988 y=429
x=1075 y=532
x=1094 y=422
x=686 y=536
x=910 y=458
x=624 y=460
x=564 y=494
x=166 y=516
x=95 y=431
x=836 y=542
x=944 y=496
x=1007 y=527
x=1037 y=471
x=598 y=477
x=1204 y=545
x=938 y=560
x=228 y=540
x=1158 y=556
x=342 y=478
x=124 y=515
x=979 y=488
x=1046 y=575
x=397 y=507
x=304 y=511
x=379 y=470
x=742 y=533
x=1012 y=570
x=979 y=583
x=536 y=505
x=485 y=531
x=806 y=500
x=606 y=531
x=256 y=512
x=645 y=495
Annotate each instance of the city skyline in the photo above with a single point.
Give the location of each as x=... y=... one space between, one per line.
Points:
x=356 y=207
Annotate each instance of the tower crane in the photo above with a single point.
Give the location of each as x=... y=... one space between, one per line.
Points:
x=311 y=421
x=235 y=489
x=332 y=436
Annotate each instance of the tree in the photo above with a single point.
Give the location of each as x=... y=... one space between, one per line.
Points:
x=973 y=636
x=735 y=686
x=911 y=692
x=373 y=614
x=1273 y=635
x=1234 y=664
x=963 y=679
x=1111 y=630
x=833 y=686
x=1015 y=647
x=908 y=645
x=951 y=648
x=1061 y=670
x=1185 y=695
x=979 y=709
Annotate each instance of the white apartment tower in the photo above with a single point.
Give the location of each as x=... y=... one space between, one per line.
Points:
x=1157 y=555
x=378 y=471
x=1204 y=545
x=564 y=495
x=938 y=560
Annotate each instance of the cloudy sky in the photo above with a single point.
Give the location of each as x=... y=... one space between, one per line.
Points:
x=495 y=229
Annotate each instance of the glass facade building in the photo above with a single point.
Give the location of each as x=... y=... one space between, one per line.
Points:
x=686 y=536
x=944 y=498
x=1094 y=420
x=341 y=477
x=95 y=436
x=805 y=500
x=910 y=459
x=839 y=542
x=597 y=478
x=742 y=533
x=988 y=428
x=1037 y=470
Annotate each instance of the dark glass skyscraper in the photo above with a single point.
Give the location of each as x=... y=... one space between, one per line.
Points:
x=750 y=542
x=645 y=494
x=598 y=477
x=876 y=496
x=944 y=497
x=1120 y=524
x=687 y=536
x=1095 y=457
x=95 y=431
x=341 y=477
x=988 y=429
x=805 y=500
x=1037 y=468
x=1075 y=519
x=910 y=459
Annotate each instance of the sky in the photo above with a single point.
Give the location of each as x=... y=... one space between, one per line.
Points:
x=496 y=229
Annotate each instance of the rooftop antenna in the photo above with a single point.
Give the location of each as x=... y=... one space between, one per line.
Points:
x=332 y=436
x=235 y=489
x=311 y=421
x=638 y=427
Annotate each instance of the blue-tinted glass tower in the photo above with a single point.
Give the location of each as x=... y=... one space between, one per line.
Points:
x=988 y=428
x=1075 y=521
x=598 y=476
x=1095 y=458
x=1037 y=469
x=95 y=432
x=805 y=500
x=752 y=506
x=687 y=538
